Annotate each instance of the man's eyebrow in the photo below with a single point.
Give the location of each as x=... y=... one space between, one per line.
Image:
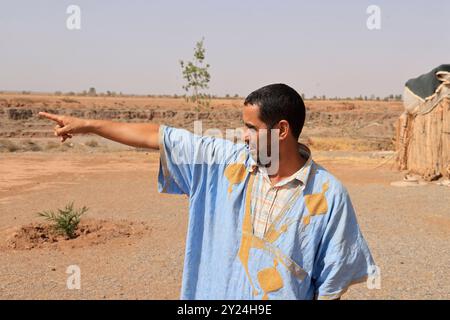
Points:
x=249 y=125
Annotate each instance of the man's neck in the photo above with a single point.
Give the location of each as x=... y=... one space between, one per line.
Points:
x=290 y=162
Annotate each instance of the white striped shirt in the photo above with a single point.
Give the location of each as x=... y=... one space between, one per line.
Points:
x=268 y=200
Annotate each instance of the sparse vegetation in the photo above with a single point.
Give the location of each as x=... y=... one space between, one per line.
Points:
x=391 y=97
x=52 y=145
x=91 y=143
x=28 y=145
x=347 y=143
x=65 y=221
x=9 y=146
x=25 y=145
x=69 y=100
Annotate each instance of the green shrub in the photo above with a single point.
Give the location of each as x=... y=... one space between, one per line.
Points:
x=66 y=220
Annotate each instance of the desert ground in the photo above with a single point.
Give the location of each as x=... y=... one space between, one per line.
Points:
x=133 y=238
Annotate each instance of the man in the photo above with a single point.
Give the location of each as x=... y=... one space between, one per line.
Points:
x=254 y=232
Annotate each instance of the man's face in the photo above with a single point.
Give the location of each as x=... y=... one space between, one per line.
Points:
x=253 y=133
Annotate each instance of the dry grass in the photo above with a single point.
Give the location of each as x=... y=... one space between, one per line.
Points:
x=21 y=145
x=68 y=100
x=347 y=144
x=28 y=145
x=51 y=145
x=91 y=143
x=25 y=145
x=8 y=146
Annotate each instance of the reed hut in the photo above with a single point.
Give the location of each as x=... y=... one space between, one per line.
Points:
x=423 y=130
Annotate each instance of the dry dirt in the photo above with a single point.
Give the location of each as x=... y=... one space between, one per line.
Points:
x=408 y=229
x=88 y=233
x=133 y=238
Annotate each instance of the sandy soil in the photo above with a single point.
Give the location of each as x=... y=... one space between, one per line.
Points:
x=408 y=229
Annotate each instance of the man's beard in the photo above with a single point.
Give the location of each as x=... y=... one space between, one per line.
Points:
x=254 y=154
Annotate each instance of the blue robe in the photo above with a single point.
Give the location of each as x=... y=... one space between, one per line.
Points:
x=313 y=249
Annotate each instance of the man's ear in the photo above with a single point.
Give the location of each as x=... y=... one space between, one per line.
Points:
x=284 y=129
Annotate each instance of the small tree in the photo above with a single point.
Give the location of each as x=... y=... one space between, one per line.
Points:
x=66 y=220
x=197 y=76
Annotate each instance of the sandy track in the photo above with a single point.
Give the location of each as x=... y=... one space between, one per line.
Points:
x=408 y=229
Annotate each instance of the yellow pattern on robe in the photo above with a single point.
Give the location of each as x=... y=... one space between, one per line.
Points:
x=249 y=241
x=235 y=173
x=316 y=204
x=270 y=280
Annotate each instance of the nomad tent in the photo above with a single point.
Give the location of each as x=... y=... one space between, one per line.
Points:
x=423 y=130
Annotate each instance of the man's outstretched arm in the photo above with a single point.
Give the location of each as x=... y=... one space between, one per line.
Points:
x=140 y=135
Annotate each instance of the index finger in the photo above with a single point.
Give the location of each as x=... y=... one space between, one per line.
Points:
x=52 y=116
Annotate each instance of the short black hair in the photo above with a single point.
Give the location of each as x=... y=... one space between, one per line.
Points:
x=278 y=102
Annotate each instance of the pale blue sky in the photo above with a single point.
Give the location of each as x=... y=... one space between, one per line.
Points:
x=318 y=47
